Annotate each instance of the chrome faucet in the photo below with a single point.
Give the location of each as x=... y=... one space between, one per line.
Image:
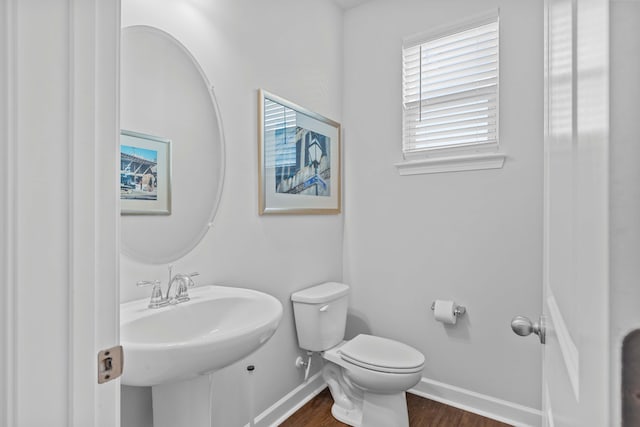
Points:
x=185 y=281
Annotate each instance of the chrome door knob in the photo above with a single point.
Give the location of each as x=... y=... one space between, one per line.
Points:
x=523 y=326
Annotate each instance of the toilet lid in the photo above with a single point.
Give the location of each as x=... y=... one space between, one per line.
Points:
x=382 y=354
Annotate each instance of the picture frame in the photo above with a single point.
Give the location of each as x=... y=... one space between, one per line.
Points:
x=145 y=174
x=299 y=159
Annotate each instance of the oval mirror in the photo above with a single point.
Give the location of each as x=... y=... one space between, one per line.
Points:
x=172 y=147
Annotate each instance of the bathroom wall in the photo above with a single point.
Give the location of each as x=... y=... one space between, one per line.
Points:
x=475 y=236
x=292 y=49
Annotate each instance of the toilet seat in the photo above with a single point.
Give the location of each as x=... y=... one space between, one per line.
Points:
x=382 y=355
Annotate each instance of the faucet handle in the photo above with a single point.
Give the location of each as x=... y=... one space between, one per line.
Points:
x=157 y=300
x=191 y=276
x=185 y=282
x=143 y=283
x=182 y=294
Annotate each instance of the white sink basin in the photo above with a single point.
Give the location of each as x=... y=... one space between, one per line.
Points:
x=217 y=327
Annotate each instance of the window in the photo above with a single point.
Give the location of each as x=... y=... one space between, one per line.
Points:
x=450 y=91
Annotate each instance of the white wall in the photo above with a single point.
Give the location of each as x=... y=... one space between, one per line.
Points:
x=475 y=237
x=292 y=49
x=624 y=190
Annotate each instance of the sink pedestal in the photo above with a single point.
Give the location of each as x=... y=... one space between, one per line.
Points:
x=184 y=403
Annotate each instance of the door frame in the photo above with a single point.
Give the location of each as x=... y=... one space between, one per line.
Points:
x=7 y=198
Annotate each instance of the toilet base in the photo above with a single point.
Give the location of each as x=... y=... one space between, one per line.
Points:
x=385 y=410
x=352 y=418
x=378 y=410
x=362 y=408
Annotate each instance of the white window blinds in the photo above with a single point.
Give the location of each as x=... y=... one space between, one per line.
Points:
x=450 y=90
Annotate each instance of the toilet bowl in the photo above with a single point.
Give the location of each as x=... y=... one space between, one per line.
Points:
x=372 y=390
x=367 y=375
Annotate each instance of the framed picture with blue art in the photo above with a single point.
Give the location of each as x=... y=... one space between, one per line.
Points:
x=145 y=174
x=299 y=159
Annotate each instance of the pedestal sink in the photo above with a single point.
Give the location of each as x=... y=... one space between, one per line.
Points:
x=217 y=327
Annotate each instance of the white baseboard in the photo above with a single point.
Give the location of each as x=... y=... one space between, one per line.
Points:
x=289 y=404
x=487 y=406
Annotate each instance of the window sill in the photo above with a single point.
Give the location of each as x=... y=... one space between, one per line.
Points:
x=468 y=162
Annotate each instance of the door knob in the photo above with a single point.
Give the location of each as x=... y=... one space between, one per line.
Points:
x=523 y=326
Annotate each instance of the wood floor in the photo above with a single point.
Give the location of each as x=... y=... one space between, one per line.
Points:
x=422 y=413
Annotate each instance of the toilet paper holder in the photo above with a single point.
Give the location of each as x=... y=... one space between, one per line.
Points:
x=458 y=311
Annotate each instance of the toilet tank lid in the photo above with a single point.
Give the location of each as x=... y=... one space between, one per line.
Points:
x=322 y=293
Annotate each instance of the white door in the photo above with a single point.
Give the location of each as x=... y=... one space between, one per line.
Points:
x=575 y=290
x=58 y=215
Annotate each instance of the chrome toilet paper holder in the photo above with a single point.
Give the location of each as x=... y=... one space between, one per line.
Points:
x=458 y=311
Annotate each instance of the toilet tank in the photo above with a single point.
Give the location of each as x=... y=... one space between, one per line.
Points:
x=320 y=314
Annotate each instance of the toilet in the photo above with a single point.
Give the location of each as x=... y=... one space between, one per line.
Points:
x=367 y=375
